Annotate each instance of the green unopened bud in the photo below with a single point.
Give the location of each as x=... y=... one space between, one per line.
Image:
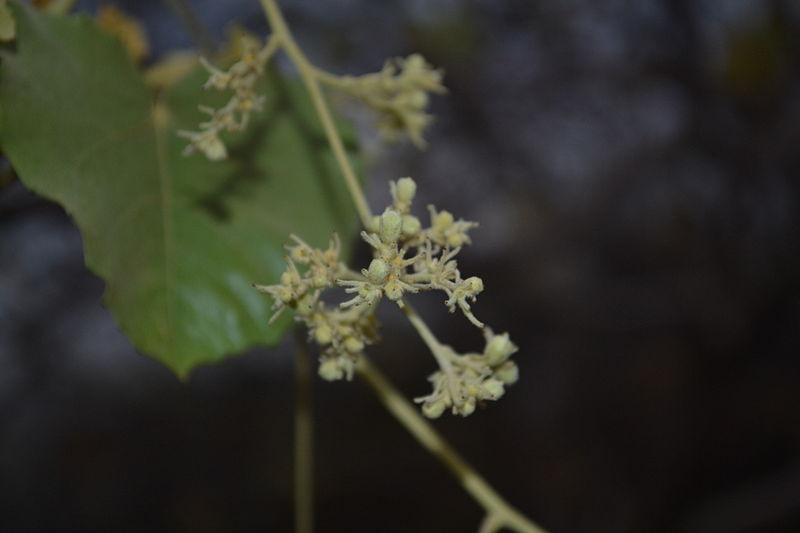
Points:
x=491 y=389
x=418 y=100
x=433 y=409
x=414 y=63
x=406 y=189
x=353 y=345
x=454 y=240
x=284 y=294
x=305 y=305
x=411 y=225
x=330 y=370
x=390 y=226
x=473 y=285
x=323 y=334
x=301 y=254
x=393 y=290
x=213 y=148
x=468 y=407
x=499 y=349
x=508 y=373
x=443 y=220
x=290 y=278
x=378 y=271
x=375 y=223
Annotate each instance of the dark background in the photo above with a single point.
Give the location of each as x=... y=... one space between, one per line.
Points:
x=634 y=166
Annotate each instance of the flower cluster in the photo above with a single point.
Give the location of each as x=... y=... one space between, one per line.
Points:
x=395 y=270
x=341 y=334
x=464 y=380
x=399 y=93
x=235 y=115
x=407 y=258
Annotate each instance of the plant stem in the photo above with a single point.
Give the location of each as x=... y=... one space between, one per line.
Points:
x=308 y=74
x=303 y=438
x=436 y=347
x=503 y=514
x=499 y=513
x=422 y=328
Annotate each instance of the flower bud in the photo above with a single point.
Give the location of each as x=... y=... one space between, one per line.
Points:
x=443 y=220
x=405 y=190
x=508 y=373
x=433 y=409
x=286 y=278
x=390 y=226
x=491 y=389
x=473 y=285
x=454 y=240
x=393 y=290
x=375 y=223
x=284 y=294
x=498 y=349
x=378 y=271
x=468 y=407
x=301 y=255
x=330 y=370
x=305 y=305
x=353 y=345
x=323 y=334
x=411 y=225
x=213 y=148
x=418 y=99
x=414 y=63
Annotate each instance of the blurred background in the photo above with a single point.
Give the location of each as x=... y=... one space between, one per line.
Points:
x=634 y=166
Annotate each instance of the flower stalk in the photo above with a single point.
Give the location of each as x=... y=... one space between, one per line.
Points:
x=407 y=259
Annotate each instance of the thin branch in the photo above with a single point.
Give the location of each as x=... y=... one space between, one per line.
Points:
x=436 y=348
x=489 y=524
x=422 y=430
x=308 y=75
x=303 y=437
x=500 y=513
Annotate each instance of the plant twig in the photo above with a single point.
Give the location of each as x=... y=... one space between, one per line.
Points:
x=504 y=515
x=427 y=335
x=308 y=75
x=489 y=524
x=303 y=437
x=499 y=512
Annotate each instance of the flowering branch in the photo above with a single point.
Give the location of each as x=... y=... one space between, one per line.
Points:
x=407 y=257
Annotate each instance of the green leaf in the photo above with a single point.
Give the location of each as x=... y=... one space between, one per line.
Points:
x=8 y=28
x=178 y=240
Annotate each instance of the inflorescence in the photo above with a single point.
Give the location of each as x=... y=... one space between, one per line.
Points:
x=398 y=93
x=407 y=258
x=241 y=78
